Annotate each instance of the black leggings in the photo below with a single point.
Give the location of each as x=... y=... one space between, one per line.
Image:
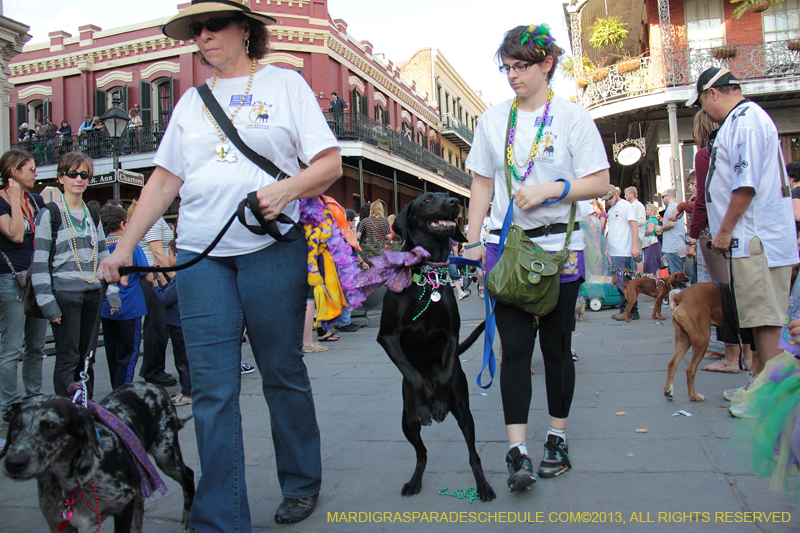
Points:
x=518 y=337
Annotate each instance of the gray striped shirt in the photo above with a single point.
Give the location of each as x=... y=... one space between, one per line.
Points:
x=66 y=276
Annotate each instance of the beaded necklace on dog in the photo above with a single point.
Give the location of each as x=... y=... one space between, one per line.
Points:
x=69 y=503
x=510 y=154
x=435 y=277
x=74 y=233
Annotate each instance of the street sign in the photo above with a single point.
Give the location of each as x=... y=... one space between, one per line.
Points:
x=102 y=179
x=131 y=178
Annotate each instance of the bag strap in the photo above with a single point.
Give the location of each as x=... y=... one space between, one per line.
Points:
x=265 y=227
x=374 y=225
x=8 y=262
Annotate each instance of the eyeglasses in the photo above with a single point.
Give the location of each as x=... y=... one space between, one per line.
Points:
x=519 y=67
x=213 y=25
x=73 y=174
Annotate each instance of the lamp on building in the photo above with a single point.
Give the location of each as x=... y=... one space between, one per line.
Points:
x=115 y=120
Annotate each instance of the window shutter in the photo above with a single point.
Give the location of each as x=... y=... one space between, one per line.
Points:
x=22 y=114
x=386 y=119
x=125 y=98
x=354 y=101
x=100 y=102
x=171 y=97
x=145 y=101
x=46 y=109
x=365 y=105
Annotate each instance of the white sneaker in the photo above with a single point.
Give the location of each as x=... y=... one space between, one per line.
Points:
x=730 y=393
x=246 y=369
x=462 y=295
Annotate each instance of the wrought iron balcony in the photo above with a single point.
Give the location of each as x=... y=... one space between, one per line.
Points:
x=623 y=80
x=357 y=127
x=757 y=61
x=457 y=132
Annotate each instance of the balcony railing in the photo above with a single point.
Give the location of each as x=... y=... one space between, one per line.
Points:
x=755 y=61
x=609 y=84
x=749 y=62
x=352 y=127
x=357 y=127
x=451 y=124
x=96 y=145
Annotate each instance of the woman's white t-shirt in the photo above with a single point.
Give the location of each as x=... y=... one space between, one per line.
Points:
x=280 y=119
x=570 y=148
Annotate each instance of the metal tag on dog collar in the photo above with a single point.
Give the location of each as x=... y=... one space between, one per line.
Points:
x=435 y=296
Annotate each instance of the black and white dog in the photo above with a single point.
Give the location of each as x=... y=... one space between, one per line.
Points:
x=59 y=443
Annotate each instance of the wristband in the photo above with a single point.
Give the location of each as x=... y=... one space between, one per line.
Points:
x=471 y=246
x=563 y=194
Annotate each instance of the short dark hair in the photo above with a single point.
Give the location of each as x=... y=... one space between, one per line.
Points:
x=259 y=39
x=112 y=218
x=364 y=211
x=350 y=214
x=95 y=204
x=173 y=246
x=511 y=47
x=113 y=202
x=334 y=93
x=73 y=160
x=793 y=170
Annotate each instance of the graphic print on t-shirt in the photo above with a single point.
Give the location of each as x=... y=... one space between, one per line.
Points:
x=259 y=116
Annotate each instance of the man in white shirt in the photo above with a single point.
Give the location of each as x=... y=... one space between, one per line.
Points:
x=749 y=207
x=623 y=245
x=673 y=236
x=632 y=196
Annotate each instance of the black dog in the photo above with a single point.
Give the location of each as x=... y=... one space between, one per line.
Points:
x=58 y=443
x=426 y=350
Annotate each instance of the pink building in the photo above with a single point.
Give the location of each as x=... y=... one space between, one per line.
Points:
x=70 y=77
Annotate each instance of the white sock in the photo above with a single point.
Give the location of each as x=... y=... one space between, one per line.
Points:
x=523 y=448
x=557 y=432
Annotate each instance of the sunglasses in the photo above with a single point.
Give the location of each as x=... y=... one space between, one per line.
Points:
x=73 y=174
x=213 y=25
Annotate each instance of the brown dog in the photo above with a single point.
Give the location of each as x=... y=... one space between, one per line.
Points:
x=656 y=288
x=694 y=311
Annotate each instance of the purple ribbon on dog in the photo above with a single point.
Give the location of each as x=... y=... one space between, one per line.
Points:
x=393 y=269
x=149 y=480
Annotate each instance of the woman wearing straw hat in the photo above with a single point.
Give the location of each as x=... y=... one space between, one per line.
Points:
x=247 y=279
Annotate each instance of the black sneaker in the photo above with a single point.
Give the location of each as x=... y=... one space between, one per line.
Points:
x=246 y=369
x=294 y=510
x=520 y=470
x=556 y=457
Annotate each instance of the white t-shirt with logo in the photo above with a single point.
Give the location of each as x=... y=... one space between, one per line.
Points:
x=747 y=153
x=620 y=234
x=675 y=237
x=280 y=120
x=570 y=148
x=641 y=216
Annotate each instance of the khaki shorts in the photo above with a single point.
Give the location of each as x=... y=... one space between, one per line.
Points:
x=762 y=293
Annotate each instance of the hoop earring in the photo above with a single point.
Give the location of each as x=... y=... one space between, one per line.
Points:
x=247 y=46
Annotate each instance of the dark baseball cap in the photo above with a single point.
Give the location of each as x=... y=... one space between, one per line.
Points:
x=712 y=77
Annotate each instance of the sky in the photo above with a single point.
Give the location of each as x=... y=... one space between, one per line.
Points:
x=467 y=32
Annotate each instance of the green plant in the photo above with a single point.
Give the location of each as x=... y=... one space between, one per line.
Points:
x=568 y=66
x=608 y=31
x=373 y=248
x=756 y=6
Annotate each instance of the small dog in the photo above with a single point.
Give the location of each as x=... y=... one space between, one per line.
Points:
x=694 y=310
x=656 y=288
x=420 y=334
x=59 y=443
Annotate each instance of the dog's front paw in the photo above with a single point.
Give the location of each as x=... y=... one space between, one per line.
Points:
x=697 y=397
x=412 y=487
x=424 y=415
x=669 y=394
x=485 y=491
x=440 y=410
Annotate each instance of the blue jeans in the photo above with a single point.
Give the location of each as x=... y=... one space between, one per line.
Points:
x=624 y=263
x=265 y=290
x=674 y=263
x=16 y=328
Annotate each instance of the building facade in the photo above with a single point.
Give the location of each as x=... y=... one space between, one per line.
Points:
x=70 y=77
x=13 y=35
x=638 y=100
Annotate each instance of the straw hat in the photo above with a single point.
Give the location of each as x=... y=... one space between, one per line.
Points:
x=178 y=26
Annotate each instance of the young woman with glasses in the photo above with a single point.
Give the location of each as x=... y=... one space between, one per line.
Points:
x=18 y=209
x=68 y=290
x=551 y=153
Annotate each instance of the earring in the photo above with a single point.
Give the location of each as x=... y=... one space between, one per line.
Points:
x=247 y=46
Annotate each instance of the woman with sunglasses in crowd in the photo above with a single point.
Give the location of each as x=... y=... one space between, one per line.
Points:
x=68 y=290
x=252 y=280
x=555 y=154
x=18 y=209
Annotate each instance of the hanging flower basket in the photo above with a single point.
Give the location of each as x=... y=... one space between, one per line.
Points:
x=793 y=45
x=623 y=67
x=724 y=52
x=582 y=82
x=759 y=6
x=599 y=75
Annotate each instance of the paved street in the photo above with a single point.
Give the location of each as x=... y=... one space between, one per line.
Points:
x=692 y=468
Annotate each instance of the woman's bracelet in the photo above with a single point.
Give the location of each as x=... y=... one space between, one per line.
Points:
x=563 y=194
x=473 y=245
